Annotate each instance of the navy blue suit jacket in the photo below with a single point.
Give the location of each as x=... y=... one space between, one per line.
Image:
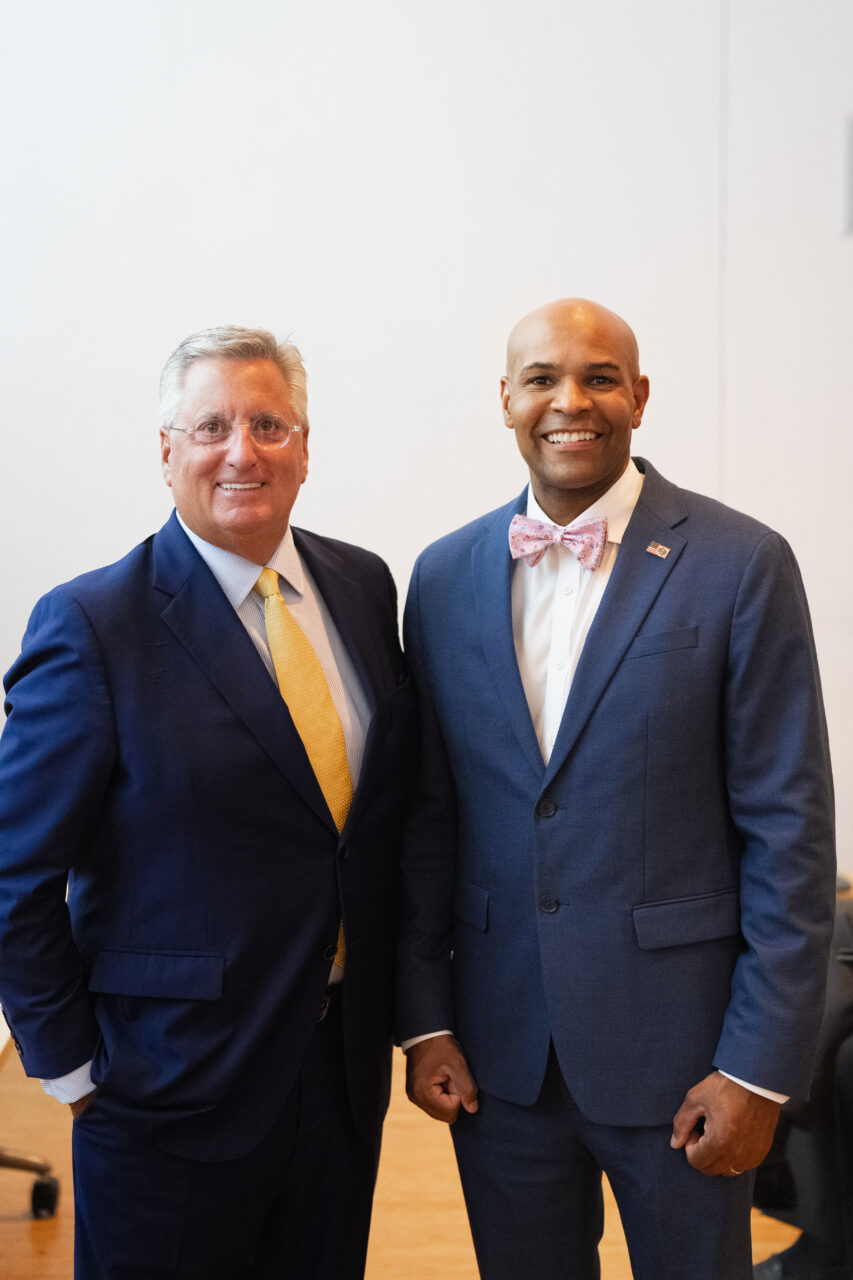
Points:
x=149 y=760
x=658 y=900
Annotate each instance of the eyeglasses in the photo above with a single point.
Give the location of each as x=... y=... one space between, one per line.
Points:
x=266 y=433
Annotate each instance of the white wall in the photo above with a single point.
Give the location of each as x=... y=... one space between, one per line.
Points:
x=395 y=183
x=787 y=427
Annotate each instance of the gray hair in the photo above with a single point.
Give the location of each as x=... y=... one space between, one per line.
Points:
x=229 y=342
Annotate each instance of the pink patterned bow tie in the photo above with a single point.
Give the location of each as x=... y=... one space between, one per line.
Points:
x=586 y=539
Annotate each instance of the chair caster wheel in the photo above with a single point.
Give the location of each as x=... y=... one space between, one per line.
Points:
x=45 y=1196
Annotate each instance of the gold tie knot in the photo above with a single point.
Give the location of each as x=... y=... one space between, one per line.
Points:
x=267 y=583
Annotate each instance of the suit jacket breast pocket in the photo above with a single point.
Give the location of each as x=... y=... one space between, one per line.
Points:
x=664 y=642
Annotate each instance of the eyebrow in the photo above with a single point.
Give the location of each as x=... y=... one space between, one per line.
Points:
x=218 y=416
x=548 y=365
x=211 y=416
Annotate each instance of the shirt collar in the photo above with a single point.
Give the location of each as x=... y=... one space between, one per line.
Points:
x=617 y=504
x=237 y=576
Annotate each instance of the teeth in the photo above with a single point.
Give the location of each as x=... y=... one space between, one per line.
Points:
x=223 y=485
x=570 y=437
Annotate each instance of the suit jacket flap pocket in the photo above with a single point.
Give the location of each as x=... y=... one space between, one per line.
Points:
x=664 y=642
x=166 y=975
x=684 y=920
x=471 y=904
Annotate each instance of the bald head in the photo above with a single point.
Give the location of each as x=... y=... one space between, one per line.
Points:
x=573 y=394
x=566 y=319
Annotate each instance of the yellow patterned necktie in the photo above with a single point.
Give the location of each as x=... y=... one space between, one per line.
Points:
x=303 y=685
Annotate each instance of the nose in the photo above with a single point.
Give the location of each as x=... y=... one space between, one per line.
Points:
x=241 y=450
x=570 y=397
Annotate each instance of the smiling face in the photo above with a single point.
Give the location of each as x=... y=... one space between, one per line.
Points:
x=573 y=394
x=237 y=496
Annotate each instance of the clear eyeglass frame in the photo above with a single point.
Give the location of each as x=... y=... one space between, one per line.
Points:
x=263 y=439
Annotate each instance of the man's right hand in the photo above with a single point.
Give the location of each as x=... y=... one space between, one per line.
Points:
x=78 y=1107
x=438 y=1080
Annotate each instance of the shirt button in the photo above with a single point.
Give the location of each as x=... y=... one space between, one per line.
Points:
x=560 y=666
x=567 y=591
x=549 y=903
x=546 y=808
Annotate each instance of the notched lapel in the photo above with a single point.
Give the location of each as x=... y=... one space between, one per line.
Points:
x=345 y=601
x=491 y=586
x=637 y=577
x=364 y=641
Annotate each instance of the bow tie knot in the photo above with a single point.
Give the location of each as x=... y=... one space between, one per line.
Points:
x=586 y=539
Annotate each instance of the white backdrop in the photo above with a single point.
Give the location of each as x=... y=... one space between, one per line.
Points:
x=394 y=183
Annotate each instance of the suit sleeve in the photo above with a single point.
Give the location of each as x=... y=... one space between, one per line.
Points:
x=424 y=989
x=57 y=754
x=780 y=797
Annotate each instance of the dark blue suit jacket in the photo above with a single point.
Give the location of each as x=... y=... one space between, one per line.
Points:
x=658 y=900
x=148 y=754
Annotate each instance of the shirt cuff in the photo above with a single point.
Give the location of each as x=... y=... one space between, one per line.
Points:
x=72 y=1087
x=406 y=1045
x=755 y=1088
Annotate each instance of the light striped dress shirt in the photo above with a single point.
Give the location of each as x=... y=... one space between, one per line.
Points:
x=237 y=577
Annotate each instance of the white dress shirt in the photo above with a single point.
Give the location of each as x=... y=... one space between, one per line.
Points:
x=237 y=577
x=554 y=604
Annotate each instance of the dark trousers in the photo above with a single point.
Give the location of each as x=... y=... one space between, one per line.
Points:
x=296 y=1208
x=532 y=1183
x=844 y=1135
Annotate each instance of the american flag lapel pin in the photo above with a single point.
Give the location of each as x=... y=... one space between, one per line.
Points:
x=656 y=549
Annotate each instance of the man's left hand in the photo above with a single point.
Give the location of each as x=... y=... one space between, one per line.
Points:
x=82 y=1104
x=737 y=1130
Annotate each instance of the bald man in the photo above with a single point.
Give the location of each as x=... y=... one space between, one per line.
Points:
x=619 y=877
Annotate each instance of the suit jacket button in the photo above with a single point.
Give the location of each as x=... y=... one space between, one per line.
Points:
x=549 y=903
x=17 y=1045
x=343 y=853
x=330 y=952
x=546 y=808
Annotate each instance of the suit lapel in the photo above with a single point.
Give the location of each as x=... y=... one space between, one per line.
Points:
x=345 y=601
x=365 y=643
x=200 y=617
x=491 y=586
x=637 y=577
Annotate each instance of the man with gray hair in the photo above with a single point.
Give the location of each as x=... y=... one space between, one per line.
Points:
x=207 y=747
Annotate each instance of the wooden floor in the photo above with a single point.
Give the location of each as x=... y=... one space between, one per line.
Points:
x=419 y=1226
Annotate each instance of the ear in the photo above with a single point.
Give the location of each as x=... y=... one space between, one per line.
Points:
x=303 y=444
x=505 y=395
x=165 y=455
x=641 y=397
